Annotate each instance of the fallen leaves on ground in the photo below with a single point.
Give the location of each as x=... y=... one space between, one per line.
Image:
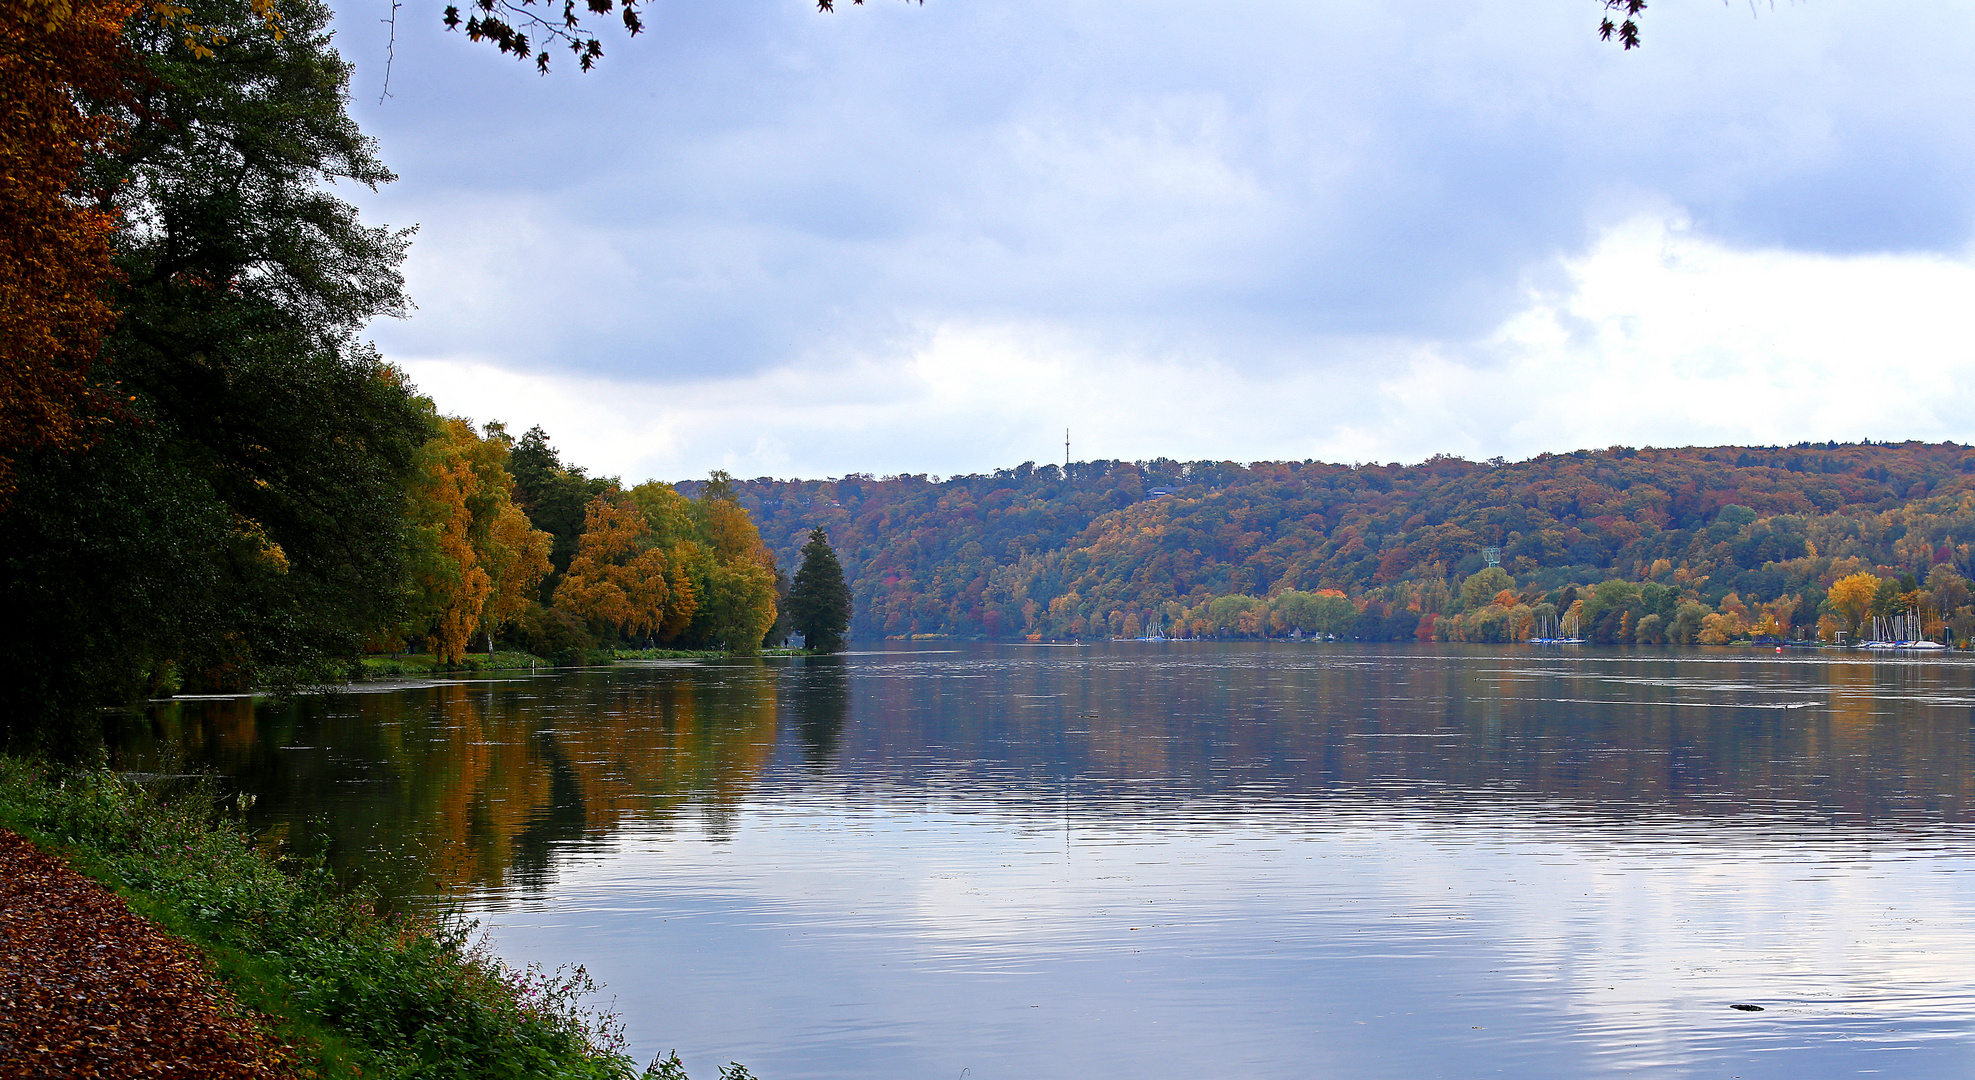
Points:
x=90 y=989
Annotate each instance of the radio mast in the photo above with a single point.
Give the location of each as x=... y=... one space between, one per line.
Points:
x=1066 y=451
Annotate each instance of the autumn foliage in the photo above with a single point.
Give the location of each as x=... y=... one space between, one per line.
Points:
x=1745 y=533
x=476 y=560
x=60 y=60
x=623 y=582
x=653 y=564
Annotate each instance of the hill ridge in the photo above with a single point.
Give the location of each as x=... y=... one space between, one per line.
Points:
x=1080 y=552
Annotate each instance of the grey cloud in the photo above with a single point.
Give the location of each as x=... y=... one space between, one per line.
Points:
x=750 y=183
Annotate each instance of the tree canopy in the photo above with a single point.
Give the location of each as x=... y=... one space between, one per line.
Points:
x=207 y=480
x=62 y=65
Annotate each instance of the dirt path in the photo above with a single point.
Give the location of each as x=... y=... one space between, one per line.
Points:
x=89 y=989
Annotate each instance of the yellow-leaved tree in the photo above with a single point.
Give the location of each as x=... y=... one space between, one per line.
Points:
x=513 y=553
x=476 y=560
x=731 y=568
x=1851 y=597
x=738 y=606
x=516 y=556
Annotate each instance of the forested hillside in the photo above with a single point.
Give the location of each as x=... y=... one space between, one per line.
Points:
x=1115 y=547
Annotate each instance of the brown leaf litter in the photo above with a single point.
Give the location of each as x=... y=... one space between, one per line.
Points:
x=90 y=989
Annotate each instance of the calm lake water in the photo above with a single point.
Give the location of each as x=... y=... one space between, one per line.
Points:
x=1179 y=860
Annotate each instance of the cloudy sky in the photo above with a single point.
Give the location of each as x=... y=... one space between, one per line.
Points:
x=906 y=238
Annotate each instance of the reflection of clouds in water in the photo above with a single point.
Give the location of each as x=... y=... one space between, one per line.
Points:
x=1195 y=861
x=1675 y=704
x=1609 y=955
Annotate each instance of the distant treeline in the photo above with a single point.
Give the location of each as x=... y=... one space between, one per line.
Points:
x=1688 y=544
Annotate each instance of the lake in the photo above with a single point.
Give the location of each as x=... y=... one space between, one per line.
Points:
x=1167 y=860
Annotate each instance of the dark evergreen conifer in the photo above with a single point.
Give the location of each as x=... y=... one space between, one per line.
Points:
x=555 y=497
x=819 y=601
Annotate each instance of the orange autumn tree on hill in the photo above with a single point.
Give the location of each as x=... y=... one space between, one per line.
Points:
x=60 y=60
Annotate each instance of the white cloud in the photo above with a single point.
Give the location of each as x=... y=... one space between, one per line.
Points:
x=1665 y=337
x=1657 y=336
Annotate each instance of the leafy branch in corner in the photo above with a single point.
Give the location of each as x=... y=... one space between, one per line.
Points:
x=527 y=28
x=1628 y=30
x=524 y=27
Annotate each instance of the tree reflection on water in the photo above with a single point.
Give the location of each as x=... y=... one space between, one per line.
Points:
x=440 y=790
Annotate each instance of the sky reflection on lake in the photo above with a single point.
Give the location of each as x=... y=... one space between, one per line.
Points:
x=1186 y=860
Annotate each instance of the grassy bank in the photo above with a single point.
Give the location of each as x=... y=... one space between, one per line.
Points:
x=375 y=667
x=664 y=654
x=697 y=654
x=379 y=667
x=358 y=994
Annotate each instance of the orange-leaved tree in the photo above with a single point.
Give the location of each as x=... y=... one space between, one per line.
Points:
x=513 y=553
x=476 y=559
x=61 y=63
x=67 y=81
x=447 y=580
x=622 y=580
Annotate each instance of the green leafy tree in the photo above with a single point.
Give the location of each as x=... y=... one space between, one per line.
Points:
x=1480 y=588
x=819 y=601
x=1950 y=589
x=475 y=563
x=1325 y=612
x=737 y=594
x=1224 y=613
x=1688 y=620
x=1886 y=598
x=777 y=633
x=1609 y=609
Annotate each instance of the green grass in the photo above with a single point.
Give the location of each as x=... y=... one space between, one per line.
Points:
x=667 y=654
x=374 y=667
x=696 y=654
x=360 y=994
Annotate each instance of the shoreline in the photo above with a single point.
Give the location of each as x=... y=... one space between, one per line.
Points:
x=299 y=976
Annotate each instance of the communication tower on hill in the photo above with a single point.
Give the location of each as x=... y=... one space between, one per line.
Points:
x=1492 y=556
x=1066 y=451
